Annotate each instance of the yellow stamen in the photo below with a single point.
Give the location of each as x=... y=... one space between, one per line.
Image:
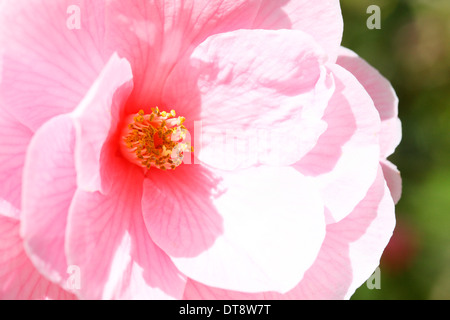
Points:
x=155 y=140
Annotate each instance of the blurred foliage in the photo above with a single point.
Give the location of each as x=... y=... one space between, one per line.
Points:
x=412 y=50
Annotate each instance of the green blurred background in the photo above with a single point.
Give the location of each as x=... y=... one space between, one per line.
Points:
x=412 y=50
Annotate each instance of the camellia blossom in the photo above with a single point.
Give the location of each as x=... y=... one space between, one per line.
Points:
x=220 y=149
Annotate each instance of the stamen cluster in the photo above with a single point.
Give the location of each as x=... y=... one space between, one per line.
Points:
x=156 y=139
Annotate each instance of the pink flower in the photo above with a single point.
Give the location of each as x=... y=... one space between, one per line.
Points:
x=285 y=194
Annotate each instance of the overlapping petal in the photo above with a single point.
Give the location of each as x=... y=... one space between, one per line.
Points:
x=345 y=158
x=393 y=179
x=44 y=76
x=257 y=105
x=49 y=185
x=66 y=225
x=65 y=155
x=273 y=227
x=106 y=238
x=14 y=139
x=349 y=254
x=96 y=119
x=19 y=279
x=154 y=35
x=383 y=96
x=158 y=34
x=321 y=19
x=179 y=211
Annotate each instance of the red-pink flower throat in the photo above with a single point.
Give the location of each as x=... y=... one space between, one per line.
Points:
x=155 y=140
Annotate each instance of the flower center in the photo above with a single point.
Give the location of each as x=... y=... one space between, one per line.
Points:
x=155 y=140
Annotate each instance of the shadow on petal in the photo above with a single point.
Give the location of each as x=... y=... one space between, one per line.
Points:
x=349 y=254
x=178 y=209
x=341 y=126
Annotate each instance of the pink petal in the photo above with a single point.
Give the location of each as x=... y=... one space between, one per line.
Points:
x=107 y=240
x=355 y=246
x=179 y=212
x=247 y=104
x=321 y=19
x=378 y=87
x=393 y=179
x=345 y=158
x=14 y=139
x=148 y=273
x=95 y=118
x=349 y=254
x=157 y=34
x=366 y=251
x=48 y=68
x=390 y=136
x=19 y=279
x=273 y=227
x=382 y=94
x=48 y=188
